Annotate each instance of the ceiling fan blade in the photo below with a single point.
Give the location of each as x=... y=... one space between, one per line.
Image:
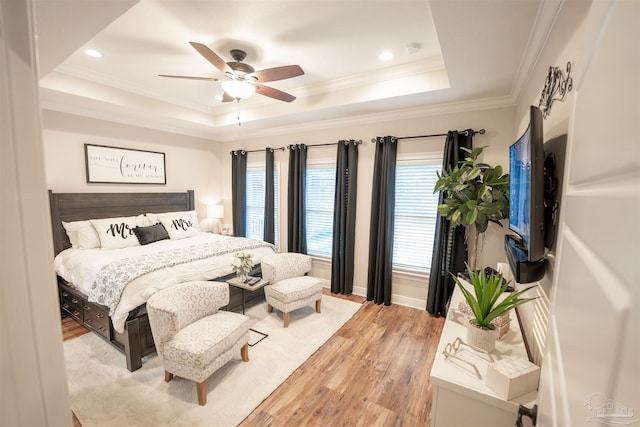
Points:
x=212 y=57
x=212 y=79
x=278 y=73
x=227 y=98
x=274 y=93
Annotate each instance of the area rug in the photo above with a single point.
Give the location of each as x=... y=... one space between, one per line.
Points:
x=104 y=393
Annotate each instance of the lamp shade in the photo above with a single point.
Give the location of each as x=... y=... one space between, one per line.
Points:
x=238 y=88
x=215 y=211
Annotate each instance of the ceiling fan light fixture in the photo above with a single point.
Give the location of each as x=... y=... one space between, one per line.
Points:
x=238 y=89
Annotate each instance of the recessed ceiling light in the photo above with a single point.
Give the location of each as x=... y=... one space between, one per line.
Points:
x=385 y=56
x=93 y=53
x=218 y=97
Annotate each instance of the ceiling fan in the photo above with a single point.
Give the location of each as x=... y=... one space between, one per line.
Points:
x=241 y=79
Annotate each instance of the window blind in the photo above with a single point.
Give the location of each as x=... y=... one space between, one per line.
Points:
x=415 y=214
x=320 y=189
x=255 y=201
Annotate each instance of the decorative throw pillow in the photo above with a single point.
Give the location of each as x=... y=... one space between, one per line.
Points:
x=150 y=234
x=153 y=218
x=115 y=233
x=180 y=227
x=82 y=234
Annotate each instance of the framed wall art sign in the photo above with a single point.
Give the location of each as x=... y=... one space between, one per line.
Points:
x=115 y=165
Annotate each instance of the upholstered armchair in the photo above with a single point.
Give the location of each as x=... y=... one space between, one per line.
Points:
x=289 y=287
x=192 y=336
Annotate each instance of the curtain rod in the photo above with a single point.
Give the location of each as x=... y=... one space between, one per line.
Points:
x=358 y=142
x=258 y=151
x=481 y=132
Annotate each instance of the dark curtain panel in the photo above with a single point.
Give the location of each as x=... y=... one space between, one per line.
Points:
x=239 y=191
x=344 y=218
x=297 y=233
x=269 y=211
x=382 y=212
x=449 y=248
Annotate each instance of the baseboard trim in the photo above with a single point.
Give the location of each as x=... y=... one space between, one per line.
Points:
x=402 y=300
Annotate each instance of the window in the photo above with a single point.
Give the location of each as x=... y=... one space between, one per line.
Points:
x=320 y=189
x=415 y=213
x=255 y=201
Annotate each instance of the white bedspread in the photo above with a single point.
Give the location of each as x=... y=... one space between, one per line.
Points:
x=80 y=267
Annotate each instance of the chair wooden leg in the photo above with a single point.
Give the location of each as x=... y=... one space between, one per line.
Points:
x=286 y=319
x=201 y=388
x=167 y=376
x=269 y=308
x=318 y=305
x=244 y=352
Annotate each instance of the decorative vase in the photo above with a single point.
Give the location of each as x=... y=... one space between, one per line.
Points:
x=243 y=275
x=480 y=337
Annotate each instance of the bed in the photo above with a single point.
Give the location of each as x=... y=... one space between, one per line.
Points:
x=122 y=320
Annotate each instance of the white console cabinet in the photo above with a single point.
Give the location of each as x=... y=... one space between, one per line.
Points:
x=460 y=398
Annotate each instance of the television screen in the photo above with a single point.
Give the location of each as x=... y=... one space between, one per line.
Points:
x=519 y=188
x=526 y=188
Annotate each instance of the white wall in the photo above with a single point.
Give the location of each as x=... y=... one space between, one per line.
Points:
x=191 y=163
x=407 y=290
x=563 y=45
x=33 y=391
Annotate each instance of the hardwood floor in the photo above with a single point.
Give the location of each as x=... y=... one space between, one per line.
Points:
x=71 y=328
x=374 y=371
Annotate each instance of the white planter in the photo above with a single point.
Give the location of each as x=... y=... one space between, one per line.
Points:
x=484 y=339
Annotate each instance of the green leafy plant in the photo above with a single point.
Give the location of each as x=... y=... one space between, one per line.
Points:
x=474 y=194
x=486 y=292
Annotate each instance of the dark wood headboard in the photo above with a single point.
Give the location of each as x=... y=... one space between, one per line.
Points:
x=83 y=206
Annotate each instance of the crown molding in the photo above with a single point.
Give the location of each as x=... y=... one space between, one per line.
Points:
x=121 y=116
x=229 y=132
x=110 y=82
x=387 y=116
x=545 y=20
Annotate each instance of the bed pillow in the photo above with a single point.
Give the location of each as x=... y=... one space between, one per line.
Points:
x=180 y=226
x=151 y=233
x=82 y=234
x=115 y=233
x=153 y=218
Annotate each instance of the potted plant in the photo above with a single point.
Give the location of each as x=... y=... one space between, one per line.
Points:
x=474 y=194
x=486 y=305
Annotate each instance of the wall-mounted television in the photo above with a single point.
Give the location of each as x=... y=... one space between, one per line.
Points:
x=526 y=190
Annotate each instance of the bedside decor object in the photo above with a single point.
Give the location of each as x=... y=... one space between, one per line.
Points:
x=242 y=264
x=485 y=305
x=474 y=194
x=556 y=87
x=215 y=213
x=115 y=165
x=512 y=377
